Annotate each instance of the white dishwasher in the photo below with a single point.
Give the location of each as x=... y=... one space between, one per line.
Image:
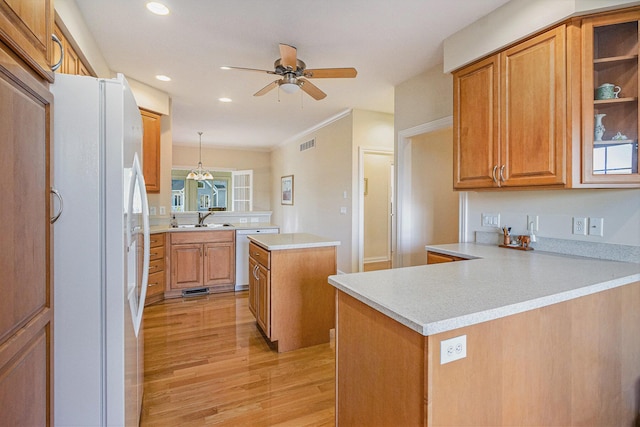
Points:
x=242 y=254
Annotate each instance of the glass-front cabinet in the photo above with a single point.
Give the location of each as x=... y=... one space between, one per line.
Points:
x=610 y=99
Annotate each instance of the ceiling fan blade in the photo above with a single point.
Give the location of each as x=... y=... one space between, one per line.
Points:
x=330 y=73
x=249 y=69
x=267 y=88
x=288 y=56
x=311 y=89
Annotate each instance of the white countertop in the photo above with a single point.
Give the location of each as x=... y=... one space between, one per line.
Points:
x=274 y=242
x=495 y=283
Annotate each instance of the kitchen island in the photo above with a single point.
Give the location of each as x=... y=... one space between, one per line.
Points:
x=289 y=295
x=549 y=340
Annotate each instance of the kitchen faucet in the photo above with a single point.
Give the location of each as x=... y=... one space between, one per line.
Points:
x=201 y=218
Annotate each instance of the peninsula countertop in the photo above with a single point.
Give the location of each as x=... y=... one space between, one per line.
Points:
x=274 y=242
x=492 y=283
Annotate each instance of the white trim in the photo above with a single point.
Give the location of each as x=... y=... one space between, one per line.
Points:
x=403 y=182
x=361 y=153
x=314 y=128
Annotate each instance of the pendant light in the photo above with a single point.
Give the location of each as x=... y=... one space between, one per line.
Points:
x=199 y=173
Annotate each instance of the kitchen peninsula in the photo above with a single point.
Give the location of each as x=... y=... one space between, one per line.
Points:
x=288 y=290
x=549 y=340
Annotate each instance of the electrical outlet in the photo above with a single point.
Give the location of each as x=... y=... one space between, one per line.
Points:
x=163 y=210
x=152 y=210
x=580 y=225
x=453 y=349
x=595 y=226
x=491 y=220
x=243 y=220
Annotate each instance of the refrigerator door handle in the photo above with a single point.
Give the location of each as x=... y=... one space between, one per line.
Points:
x=137 y=179
x=59 y=196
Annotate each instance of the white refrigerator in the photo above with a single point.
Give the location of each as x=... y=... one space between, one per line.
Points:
x=101 y=252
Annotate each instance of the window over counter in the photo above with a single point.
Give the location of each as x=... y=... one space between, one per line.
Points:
x=227 y=191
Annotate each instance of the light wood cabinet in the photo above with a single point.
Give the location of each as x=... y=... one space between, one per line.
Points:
x=510 y=116
x=439 y=258
x=610 y=55
x=155 y=290
x=27 y=27
x=293 y=303
x=151 y=150
x=201 y=259
x=260 y=287
x=26 y=305
x=571 y=363
x=72 y=59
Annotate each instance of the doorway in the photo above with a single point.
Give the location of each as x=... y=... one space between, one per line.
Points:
x=428 y=211
x=376 y=207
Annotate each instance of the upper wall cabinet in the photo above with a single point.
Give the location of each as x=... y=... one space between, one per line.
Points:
x=610 y=99
x=26 y=27
x=151 y=150
x=510 y=116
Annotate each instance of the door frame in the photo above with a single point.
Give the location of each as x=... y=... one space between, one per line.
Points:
x=403 y=188
x=362 y=151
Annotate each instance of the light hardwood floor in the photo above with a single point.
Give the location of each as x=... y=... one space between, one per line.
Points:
x=206 y=363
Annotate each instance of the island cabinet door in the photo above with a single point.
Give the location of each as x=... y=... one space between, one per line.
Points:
x=264 y=300
x=219 y=264
x=186 y=266
x=253 y=287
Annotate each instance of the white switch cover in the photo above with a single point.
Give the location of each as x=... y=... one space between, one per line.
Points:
x=163 y=210
x=453 y=349
x=595 y=226
x=491 y=220
x=343 y=210
x=152 y=210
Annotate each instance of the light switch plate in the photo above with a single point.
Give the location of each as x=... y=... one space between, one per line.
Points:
x=595 y=226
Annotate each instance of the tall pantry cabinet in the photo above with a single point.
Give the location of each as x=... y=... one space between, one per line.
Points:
x=26 y=306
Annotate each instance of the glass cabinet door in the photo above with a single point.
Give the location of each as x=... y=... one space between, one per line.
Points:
x=610 y=99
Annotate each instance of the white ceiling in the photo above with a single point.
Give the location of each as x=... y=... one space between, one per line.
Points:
x=387 y=41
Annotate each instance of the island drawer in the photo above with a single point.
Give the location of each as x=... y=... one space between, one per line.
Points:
x=260 y=254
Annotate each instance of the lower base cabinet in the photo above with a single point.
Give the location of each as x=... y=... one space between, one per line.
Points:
x=201 y=259
x=290 y=296
x=155 y=289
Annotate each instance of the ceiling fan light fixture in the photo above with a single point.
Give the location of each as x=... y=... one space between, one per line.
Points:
x=289 y=87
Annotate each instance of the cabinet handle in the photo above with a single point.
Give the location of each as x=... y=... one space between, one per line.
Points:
x=493 y=174
x=502 y=173
x=59 y=63
x=151 y=284
x=56 y=216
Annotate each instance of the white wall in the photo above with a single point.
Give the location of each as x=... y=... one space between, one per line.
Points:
x=321 y=177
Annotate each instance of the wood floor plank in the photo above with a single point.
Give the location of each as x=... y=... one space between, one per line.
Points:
x=206 y=363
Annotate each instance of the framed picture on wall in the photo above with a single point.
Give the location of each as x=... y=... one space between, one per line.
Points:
x=286 y=194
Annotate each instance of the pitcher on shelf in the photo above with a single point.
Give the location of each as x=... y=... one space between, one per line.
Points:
x=599 y=127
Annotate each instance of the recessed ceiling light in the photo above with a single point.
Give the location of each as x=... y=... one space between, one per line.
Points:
x=224 y=99
x=157 y=8
x=163 y=78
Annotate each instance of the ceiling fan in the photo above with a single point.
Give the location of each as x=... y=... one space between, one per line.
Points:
x=294 y=74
